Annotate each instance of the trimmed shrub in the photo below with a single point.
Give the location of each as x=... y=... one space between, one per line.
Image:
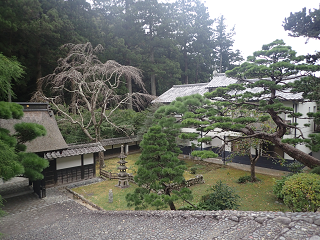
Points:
x=301 y=192
x=277 y=187
x=222 y=197
x=193 y=170
x=315 y=170
x=295 y=166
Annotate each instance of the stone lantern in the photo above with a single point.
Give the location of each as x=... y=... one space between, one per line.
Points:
x=123 y=175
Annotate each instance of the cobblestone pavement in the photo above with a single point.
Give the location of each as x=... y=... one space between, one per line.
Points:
x=59 y=217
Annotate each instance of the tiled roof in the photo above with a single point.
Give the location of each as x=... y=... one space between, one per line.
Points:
x=181 y=91
x=286 y=95
x=116 y=141
x=219 y=80
x=74 y=150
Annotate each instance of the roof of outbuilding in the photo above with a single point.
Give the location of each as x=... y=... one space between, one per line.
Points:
x=75 y=150
x=120 y=140
x=218 y=80
x=181 y=91
x=285 y=95
x=41 y=114
x=221 y=80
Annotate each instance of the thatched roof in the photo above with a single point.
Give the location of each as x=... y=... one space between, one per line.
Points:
x=39 y=113
x=75 y=150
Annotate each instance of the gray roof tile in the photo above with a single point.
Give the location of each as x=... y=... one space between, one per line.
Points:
x=219 y=80
x=74 y=150
x=121 y=140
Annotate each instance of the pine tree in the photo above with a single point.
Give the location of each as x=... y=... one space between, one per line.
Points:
x=13 y=158
x=159 y=167
x=226 y=58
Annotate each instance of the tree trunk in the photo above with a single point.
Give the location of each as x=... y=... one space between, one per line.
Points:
x=153 y=85
x=153 y=76
x=9 y=91
x=220 y=67
x=39 y=72
x=129 y=86
x=253 y=169
x=101 y=160
x=295 y=153
x=73 y=98
x=171 y=204
x=185 y=56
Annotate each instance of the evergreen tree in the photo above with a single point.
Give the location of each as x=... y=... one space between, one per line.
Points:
x=159 y=167
x=303 y=24
x=13 y=158
x=10 y=69
x=275 y=65
x=226 y=58
x=194 y=36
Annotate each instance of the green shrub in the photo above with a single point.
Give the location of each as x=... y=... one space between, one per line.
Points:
x=301 y=192
x=315 y=170
x=277 y=187
x=222 y=197
x=295 y=166
x=193 y=170
x=245 y=179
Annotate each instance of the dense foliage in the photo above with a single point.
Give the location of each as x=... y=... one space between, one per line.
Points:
x=301 y=192
x=278 y=185
x=172 y=43
x=221 y=197
x=126 y=123
x=10 y=72
x=13 y=159
x=303 y=24
x=158 y=168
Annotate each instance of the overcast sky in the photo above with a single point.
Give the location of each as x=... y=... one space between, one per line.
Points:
x=259 y=22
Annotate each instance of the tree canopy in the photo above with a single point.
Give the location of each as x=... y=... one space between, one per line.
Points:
x=10 y=72
x=303 y=23
x=273 y=69
x=13 y=158
x=172 y=43
x=158 y=168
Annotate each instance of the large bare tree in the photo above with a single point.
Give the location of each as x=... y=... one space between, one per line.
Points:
x=86 y=84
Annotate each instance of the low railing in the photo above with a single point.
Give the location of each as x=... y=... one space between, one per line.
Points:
x=175 y=186
x=110 y=175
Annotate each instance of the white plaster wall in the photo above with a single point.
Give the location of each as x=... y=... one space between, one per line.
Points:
x=316 y=154
x=68 y=162
x=88 y=159
x=302 y=108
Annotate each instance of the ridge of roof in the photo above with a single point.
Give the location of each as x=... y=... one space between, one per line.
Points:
x=190 y=85
x=75 y=150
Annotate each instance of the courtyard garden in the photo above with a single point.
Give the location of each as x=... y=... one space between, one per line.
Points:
x=256 y=196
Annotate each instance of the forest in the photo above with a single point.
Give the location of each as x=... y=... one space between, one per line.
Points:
x=171 y=43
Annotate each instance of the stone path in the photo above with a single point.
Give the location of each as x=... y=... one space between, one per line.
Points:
x=60 y=217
